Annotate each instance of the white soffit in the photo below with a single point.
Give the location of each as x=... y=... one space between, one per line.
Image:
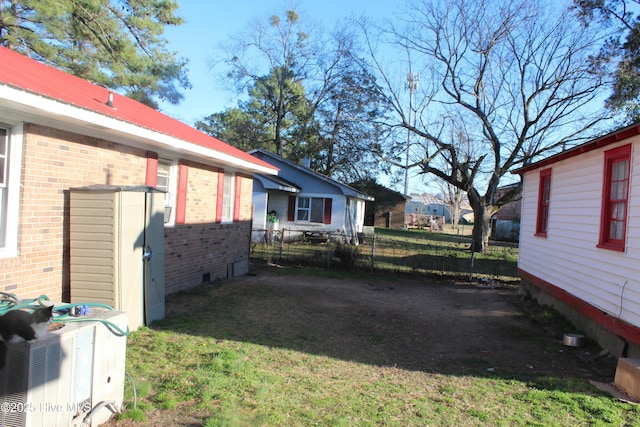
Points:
x=19 y=105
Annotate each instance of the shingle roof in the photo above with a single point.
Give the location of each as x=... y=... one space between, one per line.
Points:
x=21 y=72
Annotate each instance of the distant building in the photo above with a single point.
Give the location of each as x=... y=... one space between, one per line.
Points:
x=387 y=210
x=304 y=201
x=427 y=204
x=505 y=223
x=435 y=206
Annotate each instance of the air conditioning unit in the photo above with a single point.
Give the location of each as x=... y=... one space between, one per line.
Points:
x=70 y=378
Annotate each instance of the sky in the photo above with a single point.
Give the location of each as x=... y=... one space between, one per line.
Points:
x=208 y=23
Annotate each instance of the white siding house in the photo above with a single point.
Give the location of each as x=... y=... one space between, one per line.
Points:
x=580 y=237
x=305 y=201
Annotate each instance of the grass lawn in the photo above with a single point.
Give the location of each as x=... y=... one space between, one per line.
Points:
x=441 y=253
x=214 y=359
x=241 y=384
x=444 y=253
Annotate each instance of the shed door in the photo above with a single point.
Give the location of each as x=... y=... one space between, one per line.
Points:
x=154 y=263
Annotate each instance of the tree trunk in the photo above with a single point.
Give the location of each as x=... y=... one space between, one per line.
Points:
x=481 y=226
x=456 y=208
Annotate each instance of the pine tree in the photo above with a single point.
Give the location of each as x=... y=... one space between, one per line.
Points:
x=114 y=43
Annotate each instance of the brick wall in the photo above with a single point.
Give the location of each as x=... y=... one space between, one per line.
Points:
x=55 y=161
x=196 y=253
x=246 y=188
x=397 y=215
x=202 y=249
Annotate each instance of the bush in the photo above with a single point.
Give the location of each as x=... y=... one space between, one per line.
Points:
x=347 y=254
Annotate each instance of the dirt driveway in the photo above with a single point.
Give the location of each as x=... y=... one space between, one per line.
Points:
x=408 y=323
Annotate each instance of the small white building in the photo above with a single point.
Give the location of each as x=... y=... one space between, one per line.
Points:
x=580 y=237
x=426 y=205
x=305 y=201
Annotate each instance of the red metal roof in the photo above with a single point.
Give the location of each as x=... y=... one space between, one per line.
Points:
x=24 y=73
x=610 y=138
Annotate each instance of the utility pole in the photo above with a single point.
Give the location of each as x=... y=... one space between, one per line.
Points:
x=412 y=85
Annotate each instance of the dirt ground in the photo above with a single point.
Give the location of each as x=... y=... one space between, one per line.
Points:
x=477 y=329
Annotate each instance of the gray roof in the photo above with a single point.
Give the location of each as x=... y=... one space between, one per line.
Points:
x=344 y=188
x=273 y=182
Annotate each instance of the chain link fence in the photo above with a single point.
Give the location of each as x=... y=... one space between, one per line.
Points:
x=423 y=252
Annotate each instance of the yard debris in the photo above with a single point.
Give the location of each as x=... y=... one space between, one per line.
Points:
x=614 y=391
x=486 y=283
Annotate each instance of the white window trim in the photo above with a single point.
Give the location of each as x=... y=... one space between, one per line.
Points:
x=16 y=137
x=309 y=209
x=232 y=194
x=173 y=189
x=298 y=208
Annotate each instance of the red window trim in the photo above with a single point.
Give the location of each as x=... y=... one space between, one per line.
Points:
x=291 y=211
x=610 y=157
x=328 y=203
x=181 y=202
x=542 y=221
x=151 y=179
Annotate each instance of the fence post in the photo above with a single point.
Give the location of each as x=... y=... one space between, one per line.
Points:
x=281 y=242
x=373 y=251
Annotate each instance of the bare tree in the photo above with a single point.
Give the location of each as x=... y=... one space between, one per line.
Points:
x=343 y=103
x=515 y=75
x=306 y=90
x=452 y=195
x=281 y=49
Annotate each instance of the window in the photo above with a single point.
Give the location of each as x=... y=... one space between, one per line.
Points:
x=164 y=175
x=303 y=209
x=227 y=198
x=310 y=209
x=615 y=193
x=166 y=181
x=544 y=194
x=10 y=161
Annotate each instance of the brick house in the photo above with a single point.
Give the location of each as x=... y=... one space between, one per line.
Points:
x=387 y=210
x=58 y=132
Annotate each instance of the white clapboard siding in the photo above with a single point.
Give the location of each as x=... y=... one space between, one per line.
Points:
x=569 y=257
